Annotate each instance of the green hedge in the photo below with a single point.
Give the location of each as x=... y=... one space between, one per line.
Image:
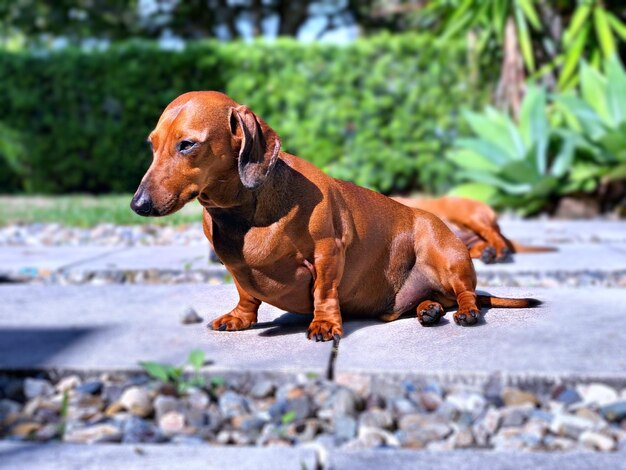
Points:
x=380 y=111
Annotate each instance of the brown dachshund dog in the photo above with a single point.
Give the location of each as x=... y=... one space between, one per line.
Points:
x=476 y=224
x=296 y=238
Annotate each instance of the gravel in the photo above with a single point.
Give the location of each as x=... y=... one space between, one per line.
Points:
x=133 y=409
x=52 y=234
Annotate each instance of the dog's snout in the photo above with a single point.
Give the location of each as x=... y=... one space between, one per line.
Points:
x=141 y=203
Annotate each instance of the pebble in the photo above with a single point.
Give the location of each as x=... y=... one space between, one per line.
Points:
x=597 y=441
x=190 y=316
x=614 y=412
x=93 y=434
x=515 y=416
x=597 y=394
x=514 y=396
x=569 y=396
x=197 y=399
x=376 y=418
x=570 y=426
x=9 y=411
x=137 y=409
x=463 y=438
x=91 y=388
x=137 y=401
x=486 y=427
x=25 y=429
x=136 y=430
x=262 y=389
x=163 y=404
x=471 y=403
x=345 y=427
x=68 y=383
x=37 y=388
x=172 y=422
x=345 y=402
x=232 y=404
x=430 y=401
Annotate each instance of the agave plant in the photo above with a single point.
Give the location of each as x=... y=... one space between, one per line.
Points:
x=598 y=116
x=522 y=166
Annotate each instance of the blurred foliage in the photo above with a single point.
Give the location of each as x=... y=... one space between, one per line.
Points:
x=571 y=144
x=380 y=111
x=553 y=36
x=40 y=22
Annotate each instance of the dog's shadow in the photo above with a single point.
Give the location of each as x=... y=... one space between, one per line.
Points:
x=296 y=323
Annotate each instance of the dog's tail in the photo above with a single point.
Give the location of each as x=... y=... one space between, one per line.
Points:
x=519 y=248
x=503 y=302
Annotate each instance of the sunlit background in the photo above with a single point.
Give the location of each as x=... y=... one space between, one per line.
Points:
x=519 y=103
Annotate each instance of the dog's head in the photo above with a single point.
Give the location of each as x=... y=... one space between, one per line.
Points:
x=205 y=144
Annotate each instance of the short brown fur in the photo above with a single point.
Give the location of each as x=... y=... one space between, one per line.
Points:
x=296 y=238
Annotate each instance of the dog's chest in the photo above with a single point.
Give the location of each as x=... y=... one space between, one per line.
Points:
x=266 y=263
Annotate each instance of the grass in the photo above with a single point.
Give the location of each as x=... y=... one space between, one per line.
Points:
x=86 y=211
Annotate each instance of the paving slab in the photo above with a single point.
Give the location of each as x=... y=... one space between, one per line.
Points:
x=576 y=332
x=577 y=257
x=564 y=231
x=30 y=261
x=472 y=459
x=172 y=258
x=18 y=456
x=116 y=326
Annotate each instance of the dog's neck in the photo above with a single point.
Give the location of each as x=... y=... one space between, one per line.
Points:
x=229 y=199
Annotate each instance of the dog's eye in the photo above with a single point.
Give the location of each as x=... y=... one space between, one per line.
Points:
x=184 y=146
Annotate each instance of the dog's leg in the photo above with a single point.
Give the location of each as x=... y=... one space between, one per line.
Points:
x=429 y=312
x=329 y=263
x=495 y=248
x=243 y=316
x=463 y=283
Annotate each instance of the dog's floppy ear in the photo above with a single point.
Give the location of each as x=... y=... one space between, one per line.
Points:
x=259 y=147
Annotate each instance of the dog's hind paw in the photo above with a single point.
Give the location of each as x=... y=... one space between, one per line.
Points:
x=467 y=316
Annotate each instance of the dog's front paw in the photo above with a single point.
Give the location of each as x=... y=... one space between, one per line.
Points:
x=232 y=322
x=324 y=330
x=467 y=316
x=429 y=313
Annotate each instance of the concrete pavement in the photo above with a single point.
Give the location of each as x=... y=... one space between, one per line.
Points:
x=17 y=456
x=115 y=327
x=574 y=333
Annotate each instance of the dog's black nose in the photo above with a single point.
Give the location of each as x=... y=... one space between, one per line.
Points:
x=141 y=203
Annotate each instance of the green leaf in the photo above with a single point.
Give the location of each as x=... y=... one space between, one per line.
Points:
x=498 y=129
x=521 y=171
x=565 y=156
x=578 y=20
x=603 y=31
x=158 y=371
x=524 y=40
x=594 y=91
x=529 y=11
x=588 y=120
x=534 y=124
x=617 y=25
x=470 y=160
x=477 y=191
x=616 y=90
x=486 y=178
x=196 y=358
x=288 y=417
x=217 y=381
x=572 y=56
x=489 y=151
